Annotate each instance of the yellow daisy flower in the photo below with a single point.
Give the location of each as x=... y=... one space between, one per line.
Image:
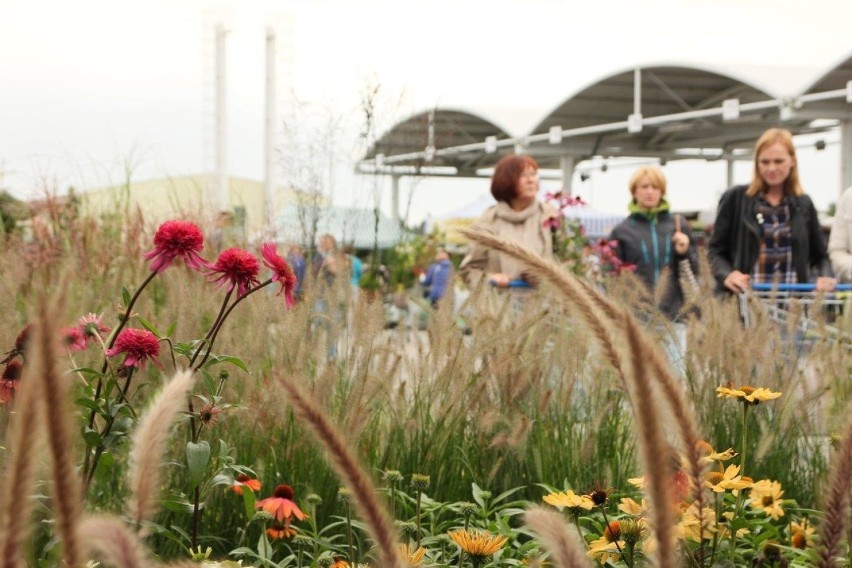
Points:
x=722 y=481
x=631 y=507
x=569 y=499
x=604 y=551
x=709 y=455
x=747 y=394
x=478 y=544
x=690 y=525
x=801 y=535
x=412 y=556
x=766 y=495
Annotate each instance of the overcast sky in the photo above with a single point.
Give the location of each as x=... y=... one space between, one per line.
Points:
x=89 y=86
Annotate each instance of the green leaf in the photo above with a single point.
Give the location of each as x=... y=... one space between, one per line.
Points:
x=170 y=330
x=89 y=403
x=125 y=296
x=92 y=437
x=149 y=326
x=249 y=502
x=197 y=458
x=236 y=361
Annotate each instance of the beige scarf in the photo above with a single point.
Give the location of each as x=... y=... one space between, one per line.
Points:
x=522 y=227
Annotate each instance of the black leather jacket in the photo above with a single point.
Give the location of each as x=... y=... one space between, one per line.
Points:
x=735 y=242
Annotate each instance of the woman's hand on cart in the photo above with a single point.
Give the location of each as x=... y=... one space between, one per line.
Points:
x=825 y=284
x=737 y=282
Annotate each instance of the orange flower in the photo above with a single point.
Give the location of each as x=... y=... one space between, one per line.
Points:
x=277 y=530
x=243 y=480
x=282 y=507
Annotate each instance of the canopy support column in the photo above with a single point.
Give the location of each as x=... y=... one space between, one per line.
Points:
x=845 y=154
x=395 y=200
x=567 y=164
x=729 y=172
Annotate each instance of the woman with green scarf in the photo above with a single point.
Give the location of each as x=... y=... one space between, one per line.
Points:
x=654 y=240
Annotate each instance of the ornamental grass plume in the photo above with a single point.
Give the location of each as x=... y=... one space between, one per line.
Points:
x=114 y=543
x=566 y=550
x=364 y=493
x=838 y=502
x=19 y=472
x=148 y=446
x=640 y=353
x=55 y=411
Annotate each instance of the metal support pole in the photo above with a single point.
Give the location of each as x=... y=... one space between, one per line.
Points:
x=637 y=91
x=729 y=172
x=269 y=138
x=395 y=200
x=567 y=164
x=221 y=123
x=845 y=154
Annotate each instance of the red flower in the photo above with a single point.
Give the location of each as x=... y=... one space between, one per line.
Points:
x=92 y=326
x=21 y=343
x=282 y=272
x=243 y=480
x=9 y=381
x=238 y=268
x=74 y=338
x=177 y=239
x=139 y=345
x=281 y=505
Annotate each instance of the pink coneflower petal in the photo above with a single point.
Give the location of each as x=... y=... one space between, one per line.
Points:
x=138 y=345
x=74 y=338
x=175 y=239
x=281 y=272
x=237 y=268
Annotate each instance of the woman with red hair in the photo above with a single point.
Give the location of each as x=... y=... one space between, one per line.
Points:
x=518 y=216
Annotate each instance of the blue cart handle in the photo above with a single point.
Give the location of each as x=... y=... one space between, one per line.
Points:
x=514 y=284
x=795 y=287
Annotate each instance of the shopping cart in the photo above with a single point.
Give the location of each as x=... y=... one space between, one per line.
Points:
x=800 y=307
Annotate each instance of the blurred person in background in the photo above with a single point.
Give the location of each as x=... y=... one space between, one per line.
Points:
x=840 y=239
x=654 y=240
x=438 y=277
x=768 y=231
x=518 y=216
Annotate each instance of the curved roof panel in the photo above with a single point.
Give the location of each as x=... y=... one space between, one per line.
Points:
x=834 y=78
x=450 y=128
x=686 y=112
x=664 y=90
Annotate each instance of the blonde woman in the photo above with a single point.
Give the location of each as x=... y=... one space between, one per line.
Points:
x=653 y=240
x=768 y=231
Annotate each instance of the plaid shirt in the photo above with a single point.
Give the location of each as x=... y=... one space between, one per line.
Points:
x=775 y=258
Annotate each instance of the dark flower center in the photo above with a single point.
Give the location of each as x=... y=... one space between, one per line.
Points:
x=284 y=491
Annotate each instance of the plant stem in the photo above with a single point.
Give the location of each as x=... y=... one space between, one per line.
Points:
x=417 y=517
x=90 y=462
x=349 y=534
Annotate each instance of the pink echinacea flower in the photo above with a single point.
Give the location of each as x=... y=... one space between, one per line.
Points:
x=139 y=345
x=282 y=273
x=236 y=267
x=177 y=239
